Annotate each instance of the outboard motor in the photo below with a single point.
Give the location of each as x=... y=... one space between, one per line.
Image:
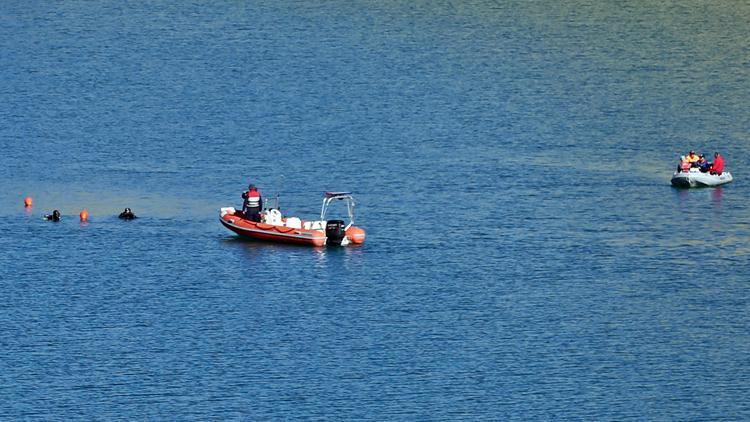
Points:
x=335 y=232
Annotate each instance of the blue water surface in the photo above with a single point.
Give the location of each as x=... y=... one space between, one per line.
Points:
x=526 y=256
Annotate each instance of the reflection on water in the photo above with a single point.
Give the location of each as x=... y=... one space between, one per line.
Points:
x=717 y=195
x=345 y=255
x=258 y=246
x=700 y=197
x=683 y=194
x=322 y=257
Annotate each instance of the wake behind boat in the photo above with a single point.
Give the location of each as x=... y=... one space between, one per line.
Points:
x=276 y=228
x=695 y=178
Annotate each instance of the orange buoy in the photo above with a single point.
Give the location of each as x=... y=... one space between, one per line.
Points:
x=28 y=202
x=84 y=215
x=355 y=234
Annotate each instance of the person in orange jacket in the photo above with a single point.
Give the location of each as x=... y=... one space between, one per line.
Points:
x=692 y=157
x=253 y=203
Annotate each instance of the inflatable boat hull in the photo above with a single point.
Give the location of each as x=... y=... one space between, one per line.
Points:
x=273 y=233
x=697 y=179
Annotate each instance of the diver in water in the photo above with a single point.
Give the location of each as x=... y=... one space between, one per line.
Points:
x=127 y=214
x=55 y=216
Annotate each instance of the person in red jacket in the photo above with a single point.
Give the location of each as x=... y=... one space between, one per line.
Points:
x=253 y=203
x=718 y=165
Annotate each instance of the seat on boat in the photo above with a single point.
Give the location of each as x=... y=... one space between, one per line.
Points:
x=293 y=222
x=273 y=216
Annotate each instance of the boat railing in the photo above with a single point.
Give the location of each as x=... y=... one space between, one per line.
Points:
x=271 y=203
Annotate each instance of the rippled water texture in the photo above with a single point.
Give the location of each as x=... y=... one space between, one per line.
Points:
x=526 y=256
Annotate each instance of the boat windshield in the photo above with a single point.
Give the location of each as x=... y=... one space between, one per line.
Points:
x=338 y=196
x=271 y=203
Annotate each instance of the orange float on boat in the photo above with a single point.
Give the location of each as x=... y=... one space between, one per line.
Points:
x=276 y=228
x=355 y=234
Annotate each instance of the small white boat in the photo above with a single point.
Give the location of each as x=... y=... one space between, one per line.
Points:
x=695 y=178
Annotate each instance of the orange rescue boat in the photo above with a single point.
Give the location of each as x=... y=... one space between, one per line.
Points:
x=277 y=228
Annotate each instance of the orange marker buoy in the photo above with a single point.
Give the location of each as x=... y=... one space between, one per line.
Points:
x=84 y=215
x=28 y=202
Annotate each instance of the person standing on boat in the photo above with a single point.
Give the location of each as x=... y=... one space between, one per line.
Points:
x=718 y=166
x=253 y=203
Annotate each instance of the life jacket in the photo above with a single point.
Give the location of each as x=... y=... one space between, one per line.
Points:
x=252 y=199
x=685 y=165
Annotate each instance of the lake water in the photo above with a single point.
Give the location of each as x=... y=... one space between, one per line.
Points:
x=526 y=255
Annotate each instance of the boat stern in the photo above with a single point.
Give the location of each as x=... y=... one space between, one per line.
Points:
x=682 y=180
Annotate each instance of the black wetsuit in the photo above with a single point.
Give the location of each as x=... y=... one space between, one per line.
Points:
x=125 y=215
x=55 y=216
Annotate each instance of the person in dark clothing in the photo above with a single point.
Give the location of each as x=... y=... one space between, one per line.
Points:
x=55 y=216
x=127 y=214
x=253 y=203
x=702 y=164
